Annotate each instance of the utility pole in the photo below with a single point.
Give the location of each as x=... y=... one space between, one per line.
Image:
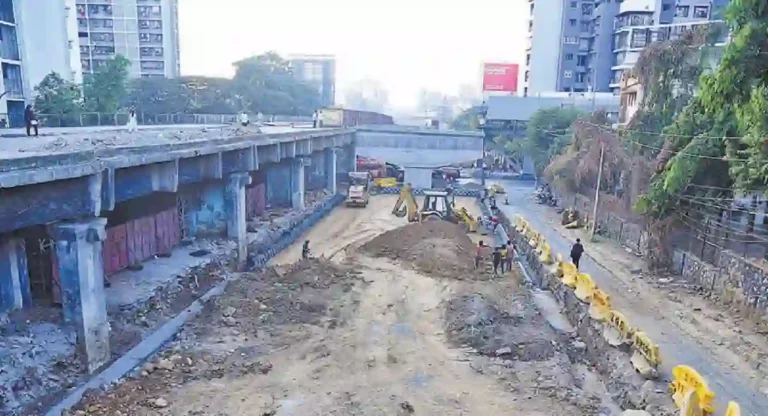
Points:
x=597 y=192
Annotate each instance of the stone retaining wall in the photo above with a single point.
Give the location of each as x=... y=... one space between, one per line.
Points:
x=735 y=280
x=291 y=227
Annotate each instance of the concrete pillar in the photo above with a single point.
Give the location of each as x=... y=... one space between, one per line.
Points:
x=234 y=202
x=297 y=183
x=14 y=277
x=81 y=272
x=330 y=169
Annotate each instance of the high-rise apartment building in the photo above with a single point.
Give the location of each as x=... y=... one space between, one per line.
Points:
x=584 y=45
x=318 y=71
x=11 y=62
x=144 y=31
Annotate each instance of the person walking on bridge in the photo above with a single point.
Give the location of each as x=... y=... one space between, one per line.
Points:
x=576 y=251
x=30 y=119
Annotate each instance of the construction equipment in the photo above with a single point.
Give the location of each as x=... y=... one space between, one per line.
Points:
x=359 y=191
x=437 y=205
x=497 y=189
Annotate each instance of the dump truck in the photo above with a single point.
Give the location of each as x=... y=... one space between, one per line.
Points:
x=359 y=191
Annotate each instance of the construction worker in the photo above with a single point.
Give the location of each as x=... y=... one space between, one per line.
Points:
x=479 y=253
x=496 y=260
x=305 y=250
x=503 y=259
x=511 y=254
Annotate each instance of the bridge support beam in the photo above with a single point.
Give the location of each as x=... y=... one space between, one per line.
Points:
x=297 y=183
x=234 y=202
x=14 y=277
x=78 y=251
x=330 y=169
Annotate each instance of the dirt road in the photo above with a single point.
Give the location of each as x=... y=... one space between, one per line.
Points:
x=687 y=330
x=364 y=335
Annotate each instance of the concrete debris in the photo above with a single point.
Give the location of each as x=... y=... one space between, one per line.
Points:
x=160 y=403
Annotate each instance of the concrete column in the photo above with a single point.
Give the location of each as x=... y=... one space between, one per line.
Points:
x=78 y=251
x=297 y=183
x=14 y=277
x=330 y=169
x=234 y=202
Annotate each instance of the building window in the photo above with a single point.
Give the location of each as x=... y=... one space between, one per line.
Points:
x=572 y=22
x=149 y=12
x=682 y=11
x=152 y=65
x=150 y=24
x=527 y=75
x=571 y=40
x=586 y=27
x=573 y=4
x=581 y=60
x=99 y=10
x=665 y=7
x=149 y=51
x=568 y=56
x=580 y=77
x=701 y=12
x=568 y=74
x=586 y=9
x=527 y=60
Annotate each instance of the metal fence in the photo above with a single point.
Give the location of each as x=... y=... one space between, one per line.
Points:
x=121 y=119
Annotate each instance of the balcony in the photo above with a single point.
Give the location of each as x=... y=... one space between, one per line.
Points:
x=633 y=20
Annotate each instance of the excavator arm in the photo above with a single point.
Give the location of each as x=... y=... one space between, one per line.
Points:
x=406 y=205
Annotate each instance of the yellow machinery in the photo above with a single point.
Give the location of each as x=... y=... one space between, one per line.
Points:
x=384 y=182
x=497 y=189
x=359 y=191
x=437 y=205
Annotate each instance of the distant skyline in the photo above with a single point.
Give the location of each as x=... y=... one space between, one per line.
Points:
x=405 y=45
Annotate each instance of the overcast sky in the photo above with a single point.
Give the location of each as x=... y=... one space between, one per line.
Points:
x=404 y=44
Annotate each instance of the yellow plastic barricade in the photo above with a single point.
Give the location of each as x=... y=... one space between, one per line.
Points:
x=534 y=241
x=569 y=274
x=733 y=409
x=690 y=392
x=645 y=358
x=519 y=223
x=616 y=330
x=540 y=244
x=545 y=256
x=585 y=287
x=557 y=270
x=600 y=306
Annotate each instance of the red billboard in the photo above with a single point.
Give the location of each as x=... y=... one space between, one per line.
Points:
x=500 y=77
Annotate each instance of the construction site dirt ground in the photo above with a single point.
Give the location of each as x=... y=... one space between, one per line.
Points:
x=729 y=350
x=353 y=332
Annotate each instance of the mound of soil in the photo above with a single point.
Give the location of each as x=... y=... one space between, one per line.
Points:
x=437 y=248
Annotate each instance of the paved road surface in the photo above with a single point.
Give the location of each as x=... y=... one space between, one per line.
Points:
x=676 y=347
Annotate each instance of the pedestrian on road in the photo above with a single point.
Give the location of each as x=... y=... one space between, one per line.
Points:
x=30 y=118
x=305 y=250
x=242 y=118
x=576 y=251
x=511 y=254
x=497 y=260
x=479 y=253
x=133 y=125
x=314 y=120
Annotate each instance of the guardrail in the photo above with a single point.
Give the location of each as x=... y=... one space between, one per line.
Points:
x=142 y=118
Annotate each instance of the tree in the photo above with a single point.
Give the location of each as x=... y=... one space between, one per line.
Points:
x=548 y=133
x=107 y=87
x=157 y=95
x=55 y=95
x=367 y=95
x=267 y=85
x=719 y=137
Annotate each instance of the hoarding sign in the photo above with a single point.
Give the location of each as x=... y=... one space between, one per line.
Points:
x=500 y=77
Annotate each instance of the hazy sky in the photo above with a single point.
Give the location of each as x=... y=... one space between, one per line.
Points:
x=404 y=44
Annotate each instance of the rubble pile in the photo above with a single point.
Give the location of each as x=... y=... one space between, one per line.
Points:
x=436 y=248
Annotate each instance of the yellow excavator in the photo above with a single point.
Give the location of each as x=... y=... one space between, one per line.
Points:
x=437 y=205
